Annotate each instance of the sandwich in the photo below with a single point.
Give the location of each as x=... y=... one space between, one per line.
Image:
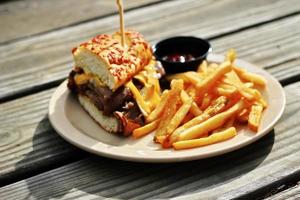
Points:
x=111 y=80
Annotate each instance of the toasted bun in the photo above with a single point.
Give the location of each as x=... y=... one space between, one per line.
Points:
x=105 y=57
x=109 y=123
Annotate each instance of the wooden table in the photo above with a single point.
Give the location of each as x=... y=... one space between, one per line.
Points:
x=35 y=42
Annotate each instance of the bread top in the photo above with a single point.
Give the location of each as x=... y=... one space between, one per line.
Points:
x=113 y=63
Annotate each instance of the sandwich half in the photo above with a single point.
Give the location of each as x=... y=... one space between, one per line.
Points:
x=103 y=68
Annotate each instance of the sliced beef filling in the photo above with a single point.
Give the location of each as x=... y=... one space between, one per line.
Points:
x=119 y=103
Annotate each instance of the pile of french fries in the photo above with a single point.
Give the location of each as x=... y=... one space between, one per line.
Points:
x=203 y=107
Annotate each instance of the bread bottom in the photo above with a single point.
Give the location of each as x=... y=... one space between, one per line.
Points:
x=109 y=123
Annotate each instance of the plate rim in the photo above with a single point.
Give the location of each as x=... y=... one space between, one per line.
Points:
x=63 y=92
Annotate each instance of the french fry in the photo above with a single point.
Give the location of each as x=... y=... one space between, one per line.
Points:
x=229 y=123
x=187 y=118
x=214 y=138
x=249 y=84
x=194 y=108
x=255 y=116
x=164 y=121
x=211 y=79
x=193 y=77
x=181 y=113
x=181 y=76
x=231 y=55
x=211 y=123
x=191 y=91
x=155 y=99
x=248 y=93
x=205 y=101
x=202 y=67
x=159 y=108
x=154 y=81
x=248 y=76
x=140 y=101
x=149 y=90
x=170 y=110
x=217 y=106
x=211 y=68
x=144 y=130
x=263 y=102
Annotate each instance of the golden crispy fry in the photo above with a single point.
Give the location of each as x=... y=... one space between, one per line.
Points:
x=155 y=99
x=187 y=77
x=181 y=76
x=231 y=55
x=144 y=107
x=187 y=118
x=205 y=101
x=248 y=93
x=229 y=123
x=154 y=81
x=204 y=141
x=144 y=130
x=159 y=107
x=194 y=109
x=248 y=76
x=261 y=101
x=217 y=106
x=181 y=113
x=171 y=109
x=202 y=67
x=214 y=138
x=211 y=68
x=211 y=123
x=193 y=77
x=249 y=84
x=191 y=90
x=211 y=79
x=149 y=90
x=165 y=119
x=255 y=116
x=227 y=87
x=224 y=89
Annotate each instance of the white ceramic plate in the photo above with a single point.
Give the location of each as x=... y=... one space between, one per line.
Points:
x=76 y=126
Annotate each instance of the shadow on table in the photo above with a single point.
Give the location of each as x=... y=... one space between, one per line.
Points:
x=107 y=178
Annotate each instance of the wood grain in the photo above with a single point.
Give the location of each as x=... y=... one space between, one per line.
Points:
x=28 y=143
x=25 y=18
x=47 y=58
x=289 y=194
x=250 y=170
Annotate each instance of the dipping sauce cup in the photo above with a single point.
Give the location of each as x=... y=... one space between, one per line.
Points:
x=180 y=54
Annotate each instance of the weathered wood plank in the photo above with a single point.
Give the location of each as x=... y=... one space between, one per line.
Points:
x=24 y=18
x=40 y=60
x=25 y=132
x=289 y=194
x=251 y=170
